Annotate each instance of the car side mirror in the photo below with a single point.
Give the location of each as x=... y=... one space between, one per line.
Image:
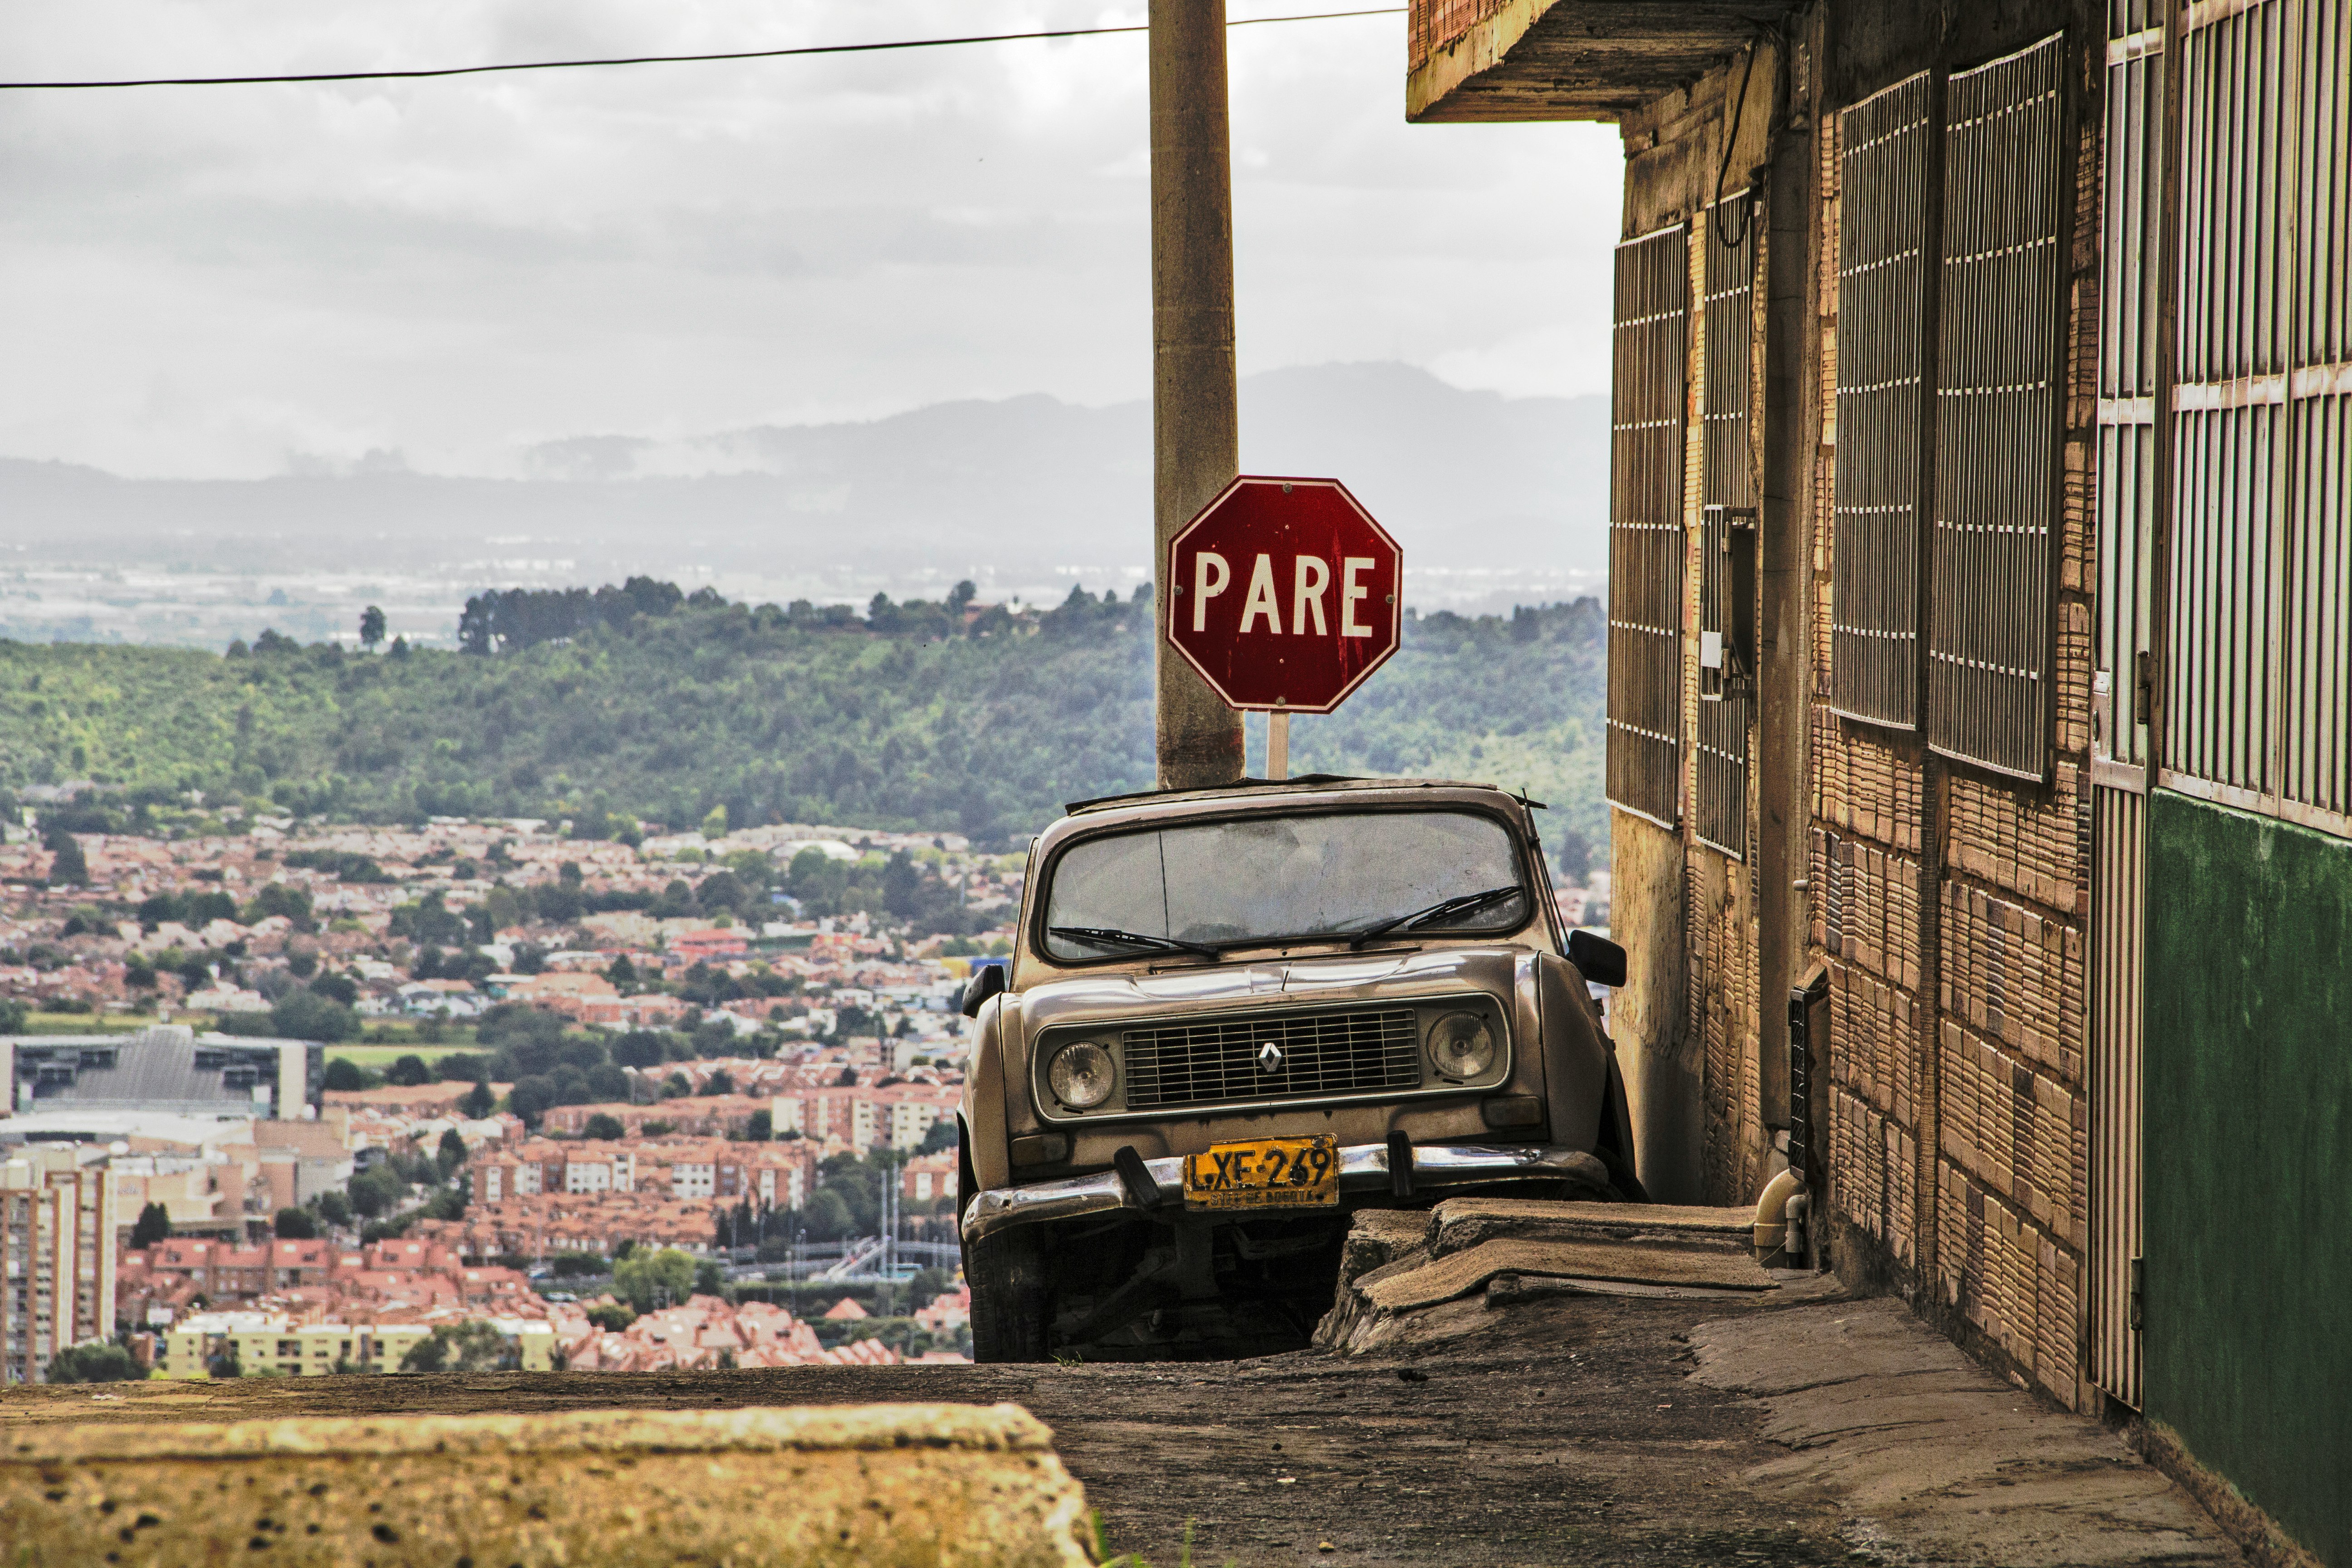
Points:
x=986 y=982
x=1597 y=958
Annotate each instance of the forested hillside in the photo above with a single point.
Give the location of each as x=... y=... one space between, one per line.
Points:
x=638 y=702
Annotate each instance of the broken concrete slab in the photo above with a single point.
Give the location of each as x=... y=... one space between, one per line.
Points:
x=1460 y=1223
x=1460 y=1273
x=903 y=1484
x=1397 y=1262
x=1933 y=1458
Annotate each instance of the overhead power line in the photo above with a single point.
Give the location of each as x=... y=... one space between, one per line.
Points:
x=656 y=59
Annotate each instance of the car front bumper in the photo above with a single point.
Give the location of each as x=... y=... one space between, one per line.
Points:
x=1363 y=1168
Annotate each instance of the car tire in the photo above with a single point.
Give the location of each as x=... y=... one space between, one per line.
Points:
x=1010 y=1304
x=967 y=1189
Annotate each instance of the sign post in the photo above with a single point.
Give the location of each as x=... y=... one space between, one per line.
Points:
x=1283 y=596
x=1195 y=421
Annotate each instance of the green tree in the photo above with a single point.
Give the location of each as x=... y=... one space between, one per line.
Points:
x=827 y=1216
x=661 y=1278
x=450 y=1153
x=333 y=1207
x=409 y=1071
x=295 y=1224
x=371 y=626
x=307 y=1016
x=345 y=1076
x=378 y=1188
x=611 y=1316
x=605 y=1128
x=763 y=1126
x=530 y=1097
x=475 y=1346
x=275 y=899
x=709 y=1279
x=154 y=1225
x=479 y=1102
x=94 y=1364
x=67 y=868
x=714 y=822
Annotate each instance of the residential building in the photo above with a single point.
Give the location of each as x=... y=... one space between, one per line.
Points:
x=1980 y=637
x=57 y=1256
x=272 y=1343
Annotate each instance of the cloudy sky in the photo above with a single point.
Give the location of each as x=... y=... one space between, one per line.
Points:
x=241 y=281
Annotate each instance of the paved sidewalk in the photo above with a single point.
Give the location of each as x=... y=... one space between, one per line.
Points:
x=1930 y=1458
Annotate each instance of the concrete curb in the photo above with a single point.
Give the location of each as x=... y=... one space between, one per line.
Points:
x=972 y=1485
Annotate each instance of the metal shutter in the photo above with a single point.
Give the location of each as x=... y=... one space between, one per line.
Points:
x=2001 y=347
x=1726 y=505
x=1882 y=366
x=1647 y=419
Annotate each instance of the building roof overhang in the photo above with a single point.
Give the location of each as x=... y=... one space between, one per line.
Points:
x=1474 y=60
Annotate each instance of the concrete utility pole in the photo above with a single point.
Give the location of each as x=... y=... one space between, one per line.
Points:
x=1196 y=425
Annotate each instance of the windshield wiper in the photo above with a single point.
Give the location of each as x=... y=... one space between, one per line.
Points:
x=1461 y=903
x=1107 y=936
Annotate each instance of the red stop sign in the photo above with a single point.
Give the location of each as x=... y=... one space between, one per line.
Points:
x=1283 y=594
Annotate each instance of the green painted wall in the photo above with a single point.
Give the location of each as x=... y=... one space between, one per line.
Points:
x=2249 y=1155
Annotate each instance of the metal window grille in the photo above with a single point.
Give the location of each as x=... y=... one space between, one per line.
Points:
x=2130 y=228
x=2258 y=695
x=2000 y=346
x=1881 y=369
x=1727 y=502
x=2315 y=695
x=2228 y=400
x=1647 y=416
x=2132 y=159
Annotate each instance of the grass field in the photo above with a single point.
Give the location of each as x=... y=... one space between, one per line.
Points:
x=382 y=1057
x=85 y=1022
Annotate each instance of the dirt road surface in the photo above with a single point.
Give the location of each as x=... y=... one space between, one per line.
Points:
x=1564 y=1429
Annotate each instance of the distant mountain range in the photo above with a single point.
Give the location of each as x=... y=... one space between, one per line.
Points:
x=1496 y=500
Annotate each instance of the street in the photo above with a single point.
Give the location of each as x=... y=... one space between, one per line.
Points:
x=1557 y=1428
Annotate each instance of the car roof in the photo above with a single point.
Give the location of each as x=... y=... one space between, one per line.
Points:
x=1304 y=785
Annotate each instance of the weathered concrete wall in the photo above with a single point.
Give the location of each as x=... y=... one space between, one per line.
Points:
x=1645 y=1015
x=1697 y=1108
x=2249 y=1138
x=873 y=1485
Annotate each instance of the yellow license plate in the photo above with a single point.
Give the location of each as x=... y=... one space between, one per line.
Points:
x=1265 y=1174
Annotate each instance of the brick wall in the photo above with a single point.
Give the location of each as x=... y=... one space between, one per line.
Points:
x=1949 y=907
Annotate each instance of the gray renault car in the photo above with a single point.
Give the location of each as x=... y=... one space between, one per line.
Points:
x=1232 y=1017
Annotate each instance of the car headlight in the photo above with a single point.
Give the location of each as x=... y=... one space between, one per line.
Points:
x=1460 y=1045
x=1081 y=1075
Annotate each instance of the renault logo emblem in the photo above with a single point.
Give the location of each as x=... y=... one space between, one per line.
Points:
x=1269 y=1057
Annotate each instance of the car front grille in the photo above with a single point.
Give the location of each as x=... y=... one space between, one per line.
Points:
x=1323 y=1055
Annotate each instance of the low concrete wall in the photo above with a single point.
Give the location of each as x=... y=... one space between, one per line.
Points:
x=973 y=1486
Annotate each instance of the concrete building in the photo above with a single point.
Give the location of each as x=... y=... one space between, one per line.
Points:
x=1980 y=644
x=162 y=1069
x=57 y=1256
x=270 y=1344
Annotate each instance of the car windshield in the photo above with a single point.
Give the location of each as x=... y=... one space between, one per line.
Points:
x=1260 y=879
